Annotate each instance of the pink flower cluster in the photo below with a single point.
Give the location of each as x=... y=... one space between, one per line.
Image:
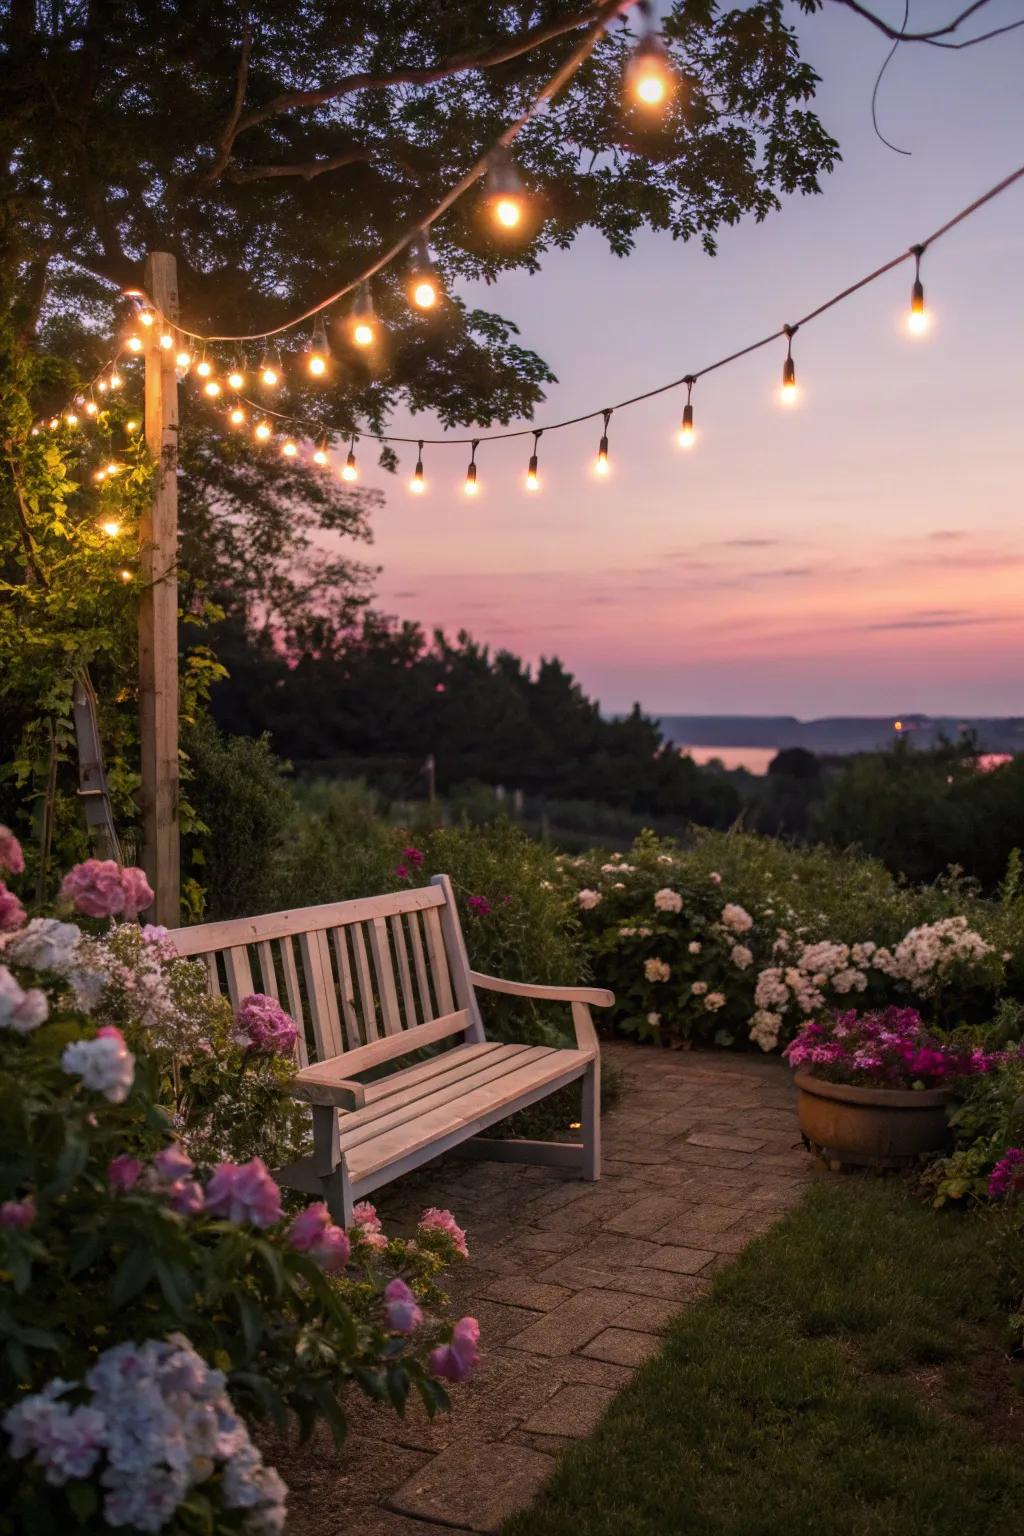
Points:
x=264 y=1026
x=12 y=860
x=12 y=913
x=1007 y=1177
x=479 y=906
x=412 y=858
x=244 y=1193
x=18 y=1214
x=434 y=1220
x=101 y=888
x=314 y=1232
x=367 y=1227
x=455 y=1361
x=887 y=1049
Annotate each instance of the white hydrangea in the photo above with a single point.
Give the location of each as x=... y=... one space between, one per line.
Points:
x=764 y=1029
x=736 y=918
x=714 y=1001
x=657 y=970
x=45 y=945
x=21 y=1009
x=654 y=1019
x=588 y=899
x=694 y=947
x=163 y=1423
x=667 y=900
x=698 y=988
x=105 y=1064
x=926 y=955
x=741 y=957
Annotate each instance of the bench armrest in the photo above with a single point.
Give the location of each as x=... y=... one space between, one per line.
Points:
x=323 y=1083
x=581 y=999
x=596 y=997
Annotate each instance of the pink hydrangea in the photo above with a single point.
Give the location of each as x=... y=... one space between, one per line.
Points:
x=264 y=1026
x=11 y=857
x=94 y=888
x=479 y=906
x=12 y=913
x=172 y=1163
x=18 y=1213
x=313 y=1232
x=444 y=1221
x=185 y=1196
x=366 y=1225
x=413 y=856
x=403 y=1314
x=244 y=1193
x=138 y=893
x=1007 y=1177
x=455 y=1361
x=123 y=1172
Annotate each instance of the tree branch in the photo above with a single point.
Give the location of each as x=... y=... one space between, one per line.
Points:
x=306 y=169
x=479 y=58
x=933 y=38
x=230 y=133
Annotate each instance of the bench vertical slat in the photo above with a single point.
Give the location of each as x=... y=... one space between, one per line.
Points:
x=404 y=974
x=268 y=975
x=419 y=961
x=438 y=962
x=210 y=961
x=385 y=970
x=454 y=950
x=236 y=964
x=320 y=994
x=369 y=1010
x=348 y=1002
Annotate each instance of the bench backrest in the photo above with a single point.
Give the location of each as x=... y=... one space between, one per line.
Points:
x=380 y=968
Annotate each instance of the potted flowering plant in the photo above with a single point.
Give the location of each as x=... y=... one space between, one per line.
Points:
x=874 y=1087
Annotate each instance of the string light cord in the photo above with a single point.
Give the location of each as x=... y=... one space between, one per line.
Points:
x=604 y=15
x=913 y=253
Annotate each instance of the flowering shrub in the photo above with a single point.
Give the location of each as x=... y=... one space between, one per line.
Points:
x=154 y=1294
x=891 y=1049
x=986 y=1126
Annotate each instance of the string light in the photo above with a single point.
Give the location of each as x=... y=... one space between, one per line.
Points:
x=236 y=415
x=320 y=454
x=788 y=392
x=183 y=359
x=262 y=431
x=91 y=408
x=99 y=474
x=204 y=368
x=417 y=484
x=471 y=485
x=236 y=378
x=601 y=465
x=506 y=195
x=71 y=419
x=423 y=286
x=350 y=470
x=270 y=371
x=146 y=316
x=532 y=478
x=917 y=320
x=363 y=321
x=116 y=380
x=113 y=468
x=134 y=343
x=126 y=575
x=131 y=426
x=166 y=340
x=650 y=76
x=316 y=358
x=211 y=388
x=687 y=436
x=111 y=528
x=289 y=448
x=102 y=386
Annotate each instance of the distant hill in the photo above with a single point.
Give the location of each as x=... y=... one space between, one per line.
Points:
x=840 y=733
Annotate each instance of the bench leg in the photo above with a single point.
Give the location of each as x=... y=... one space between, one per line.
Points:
x=590 y=1121
x=330 y=1164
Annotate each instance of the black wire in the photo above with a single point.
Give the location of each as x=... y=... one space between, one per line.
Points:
x=874 y=94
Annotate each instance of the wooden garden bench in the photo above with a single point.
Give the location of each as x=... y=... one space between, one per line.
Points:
x=370 y=981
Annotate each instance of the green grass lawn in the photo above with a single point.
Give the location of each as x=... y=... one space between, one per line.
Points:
x=846 y=1376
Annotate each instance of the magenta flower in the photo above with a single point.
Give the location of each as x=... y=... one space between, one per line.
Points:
x=94 y=888
x=123 y=1173
x=455 y=1361
x=314 y=1233
x=11 y=857
x=264 y=1026
x=244 y=1193
x=479 y=906
x=444 y=1221
x=12 y=913
x=403 y=1314
x=138 y=893
x=185 y=1197
x=890 y=1048
x=1007 y=1177
x=334 y=1250
x=366 y=1225
x=413 y=856
x=173 y=1163
x=18 y=1214
x=402 y=873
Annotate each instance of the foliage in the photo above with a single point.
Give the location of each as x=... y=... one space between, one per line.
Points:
x=379 y=702
x=990 y=1119
x=849 y=1361
x=111 y=1233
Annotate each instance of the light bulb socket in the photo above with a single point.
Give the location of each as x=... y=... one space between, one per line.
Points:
x=687 y=417
x=917 y=297
x=789 y=374
x=471 y=474
x=532 y=470
x=503 y=180
x=602 y=448
x=350 y=462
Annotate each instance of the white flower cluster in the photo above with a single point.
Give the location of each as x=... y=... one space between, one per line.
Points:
x=657 y=970
x=667 y=900
x=736 y=918
x=164 y=1424
x=926 y=955
x=60 y=949
x=21 y=1009
x=588 y=900
x=105 y=1064
x=816 y=970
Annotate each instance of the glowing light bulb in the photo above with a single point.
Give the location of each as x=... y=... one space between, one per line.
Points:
x=111 y=528
x=363 y=334
x=425 y=294
x=289 y=448
x=317 y=365
x=134 y=343
x=417 y=484
x=113 y=468
x=532 y=477
x=116 y=381
x=211 y=388
x=236 y=416
x=350 y=472
x=650 y=77
x=471 y=486
x=236 y=379
x=506 y=194
x=91 y=408
x=102 y=386
x=687 y=436
x=166 y=340
x=423 y=285
x=54 y=422
x=363 y=320
x=788 y=391
x=204 y=368
x=320 y=457
x=126 y=575
x=131 y=426
x=183 y=359
x=508 y=212
x=262 y=431
x=270 y=376
x=917 y=319
x=146 y=317
x=601 y=465
x=71 y=419
x=99 y=474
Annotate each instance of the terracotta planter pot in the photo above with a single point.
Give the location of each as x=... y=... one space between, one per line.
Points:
x=871 y=1127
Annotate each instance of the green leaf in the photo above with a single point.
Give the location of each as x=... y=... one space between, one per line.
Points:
x=134 y=1274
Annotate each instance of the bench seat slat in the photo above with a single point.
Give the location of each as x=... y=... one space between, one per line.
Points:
x=453 y=1122
x=423 y=1070
x=408 y=1102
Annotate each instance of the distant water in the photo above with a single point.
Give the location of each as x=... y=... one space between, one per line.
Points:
x=753 y=759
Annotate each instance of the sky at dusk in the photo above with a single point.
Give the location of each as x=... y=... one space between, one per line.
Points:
x=862 y=553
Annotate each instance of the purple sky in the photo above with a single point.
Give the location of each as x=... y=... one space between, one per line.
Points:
x=861 y=553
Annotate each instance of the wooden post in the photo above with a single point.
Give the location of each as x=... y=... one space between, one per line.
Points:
x=158 y=611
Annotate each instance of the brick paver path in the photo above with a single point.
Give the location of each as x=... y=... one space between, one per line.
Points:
x=572 y=1284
